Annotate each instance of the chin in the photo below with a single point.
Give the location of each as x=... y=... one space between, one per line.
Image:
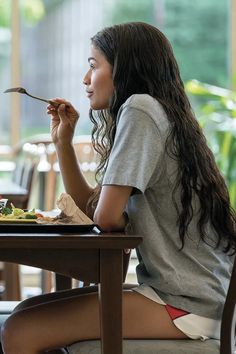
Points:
x=98 y=107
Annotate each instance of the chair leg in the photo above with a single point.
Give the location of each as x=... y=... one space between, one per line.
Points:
x=11 y=277
x=46 y=281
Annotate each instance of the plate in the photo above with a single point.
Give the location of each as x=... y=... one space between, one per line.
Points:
x=20 y=227
x=17 y=221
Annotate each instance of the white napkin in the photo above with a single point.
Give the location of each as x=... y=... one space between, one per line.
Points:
x=68 y=207
x=70 y=213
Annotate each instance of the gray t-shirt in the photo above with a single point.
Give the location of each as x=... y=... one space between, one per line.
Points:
x=196 y=278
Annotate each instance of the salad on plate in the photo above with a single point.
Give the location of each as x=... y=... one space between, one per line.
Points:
x=12 y=213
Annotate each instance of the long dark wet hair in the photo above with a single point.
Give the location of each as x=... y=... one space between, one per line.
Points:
x=143 y=62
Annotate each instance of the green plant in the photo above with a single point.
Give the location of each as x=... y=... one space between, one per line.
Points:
x=216 y=111
x=32 y=12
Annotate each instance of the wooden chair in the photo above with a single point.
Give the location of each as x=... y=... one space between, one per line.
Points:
x=18 y=187
x=22 y=176
x=87 y=158
x=35 y=150
x=27 y=159
x=226 y=344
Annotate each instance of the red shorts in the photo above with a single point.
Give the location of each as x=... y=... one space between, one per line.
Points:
x=174 y=312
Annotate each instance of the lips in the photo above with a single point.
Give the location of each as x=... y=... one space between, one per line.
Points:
x=89 y=93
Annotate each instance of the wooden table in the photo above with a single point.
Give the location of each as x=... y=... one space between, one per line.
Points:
x=90 y=257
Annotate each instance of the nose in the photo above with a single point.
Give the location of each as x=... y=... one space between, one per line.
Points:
x=86 y=79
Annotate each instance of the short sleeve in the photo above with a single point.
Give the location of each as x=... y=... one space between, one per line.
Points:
x=136 y=153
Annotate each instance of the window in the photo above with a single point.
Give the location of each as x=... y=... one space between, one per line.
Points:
x=46 y=51
x=55 y=51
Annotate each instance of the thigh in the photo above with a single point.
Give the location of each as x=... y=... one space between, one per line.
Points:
x=144 y=318
x=52 y=324
x=40 y=299
x=67 y=320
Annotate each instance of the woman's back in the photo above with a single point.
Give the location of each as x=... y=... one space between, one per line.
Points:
x=175 y=274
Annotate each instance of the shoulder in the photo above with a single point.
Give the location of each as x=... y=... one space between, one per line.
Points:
x=142 y=102
x=145 y=105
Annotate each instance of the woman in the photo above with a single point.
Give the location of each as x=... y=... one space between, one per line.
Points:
x=156 y=166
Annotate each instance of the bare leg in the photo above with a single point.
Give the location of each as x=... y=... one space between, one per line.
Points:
x=58 y=351
x=40 y=299
x=58 y=323
x=36 y=300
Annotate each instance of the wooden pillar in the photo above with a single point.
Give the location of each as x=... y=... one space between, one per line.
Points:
x=15 y=72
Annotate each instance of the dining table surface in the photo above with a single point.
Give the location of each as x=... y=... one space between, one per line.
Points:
x=90 y=256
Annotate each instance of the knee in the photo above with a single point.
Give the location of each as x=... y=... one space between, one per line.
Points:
x=24 y=304
x=11 y=335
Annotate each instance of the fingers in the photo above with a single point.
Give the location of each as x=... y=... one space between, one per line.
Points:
x=62 y=113
x=55 y=103
x=51 y=110
x=62 y=108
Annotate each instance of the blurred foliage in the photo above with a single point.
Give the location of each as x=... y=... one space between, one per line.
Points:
x=217 y=116
x=51 y=4
x=32 y=11
x=120 y=11
x=199 y=33
x=200 y=49
x=5 y=13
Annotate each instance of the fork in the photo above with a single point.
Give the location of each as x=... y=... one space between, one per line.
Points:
x=22 y=90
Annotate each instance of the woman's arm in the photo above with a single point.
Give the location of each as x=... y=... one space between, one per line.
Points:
x=73 y=179
x=109 y=214
x=63 y=123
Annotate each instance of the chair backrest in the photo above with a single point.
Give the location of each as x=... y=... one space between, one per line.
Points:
x=26 y=163
x=228 y=324
x=18 y=172
x=27 y=176
x=31 y=158
x=87 y=157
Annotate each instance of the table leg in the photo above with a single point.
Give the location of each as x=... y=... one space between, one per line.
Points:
x=11 y=277
x=110 y=296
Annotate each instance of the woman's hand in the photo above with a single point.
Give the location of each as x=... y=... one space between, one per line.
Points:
x=64 y=119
